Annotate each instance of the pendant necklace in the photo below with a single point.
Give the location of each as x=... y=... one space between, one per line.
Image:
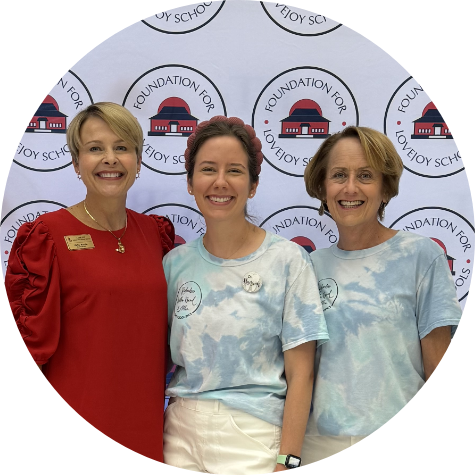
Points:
x=121 y=247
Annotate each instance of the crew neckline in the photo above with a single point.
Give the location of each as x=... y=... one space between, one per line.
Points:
x=218 y=261
x=361 y=253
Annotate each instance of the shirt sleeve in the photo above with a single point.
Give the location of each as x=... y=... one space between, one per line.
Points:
x=166 y=231
x=303 y=318
x=437 y=303
x=33 y=287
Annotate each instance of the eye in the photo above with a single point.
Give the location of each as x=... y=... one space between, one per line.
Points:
x=94 y=149
x=338 y=175
x=207 y=169
x=235 y=170
x=366 y=176
x=122 y=148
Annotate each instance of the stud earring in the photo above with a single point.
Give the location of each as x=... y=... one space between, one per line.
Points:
x=79 y=176
x=138 y=174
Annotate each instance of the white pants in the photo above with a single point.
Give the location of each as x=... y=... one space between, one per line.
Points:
x=209 y=437
x=318 y=447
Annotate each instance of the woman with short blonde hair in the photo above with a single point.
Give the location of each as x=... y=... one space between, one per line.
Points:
x=87 y=289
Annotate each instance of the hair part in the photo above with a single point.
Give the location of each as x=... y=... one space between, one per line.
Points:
x=379 y=152
x=118 y=118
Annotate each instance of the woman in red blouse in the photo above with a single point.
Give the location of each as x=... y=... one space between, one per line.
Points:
x=87 y=289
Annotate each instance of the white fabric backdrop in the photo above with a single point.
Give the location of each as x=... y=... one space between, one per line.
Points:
x=255 y=61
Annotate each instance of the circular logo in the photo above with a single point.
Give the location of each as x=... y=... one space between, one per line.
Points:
x=25 y=213
x=43 y=146
x=188 y=299
x=303 y=225
x=188 y=222
x=420 y=134
x=169 y=102
x=452 y=232
x=296 y=111
x=184 y=19
x=297 y=21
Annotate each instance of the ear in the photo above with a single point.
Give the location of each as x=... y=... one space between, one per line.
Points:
x=189 y=187
x=253 y=189
x=75 y=165
x=139 y=162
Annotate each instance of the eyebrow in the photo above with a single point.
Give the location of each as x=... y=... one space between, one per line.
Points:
x=346 y=168
x=100 y=142
x=210 y=162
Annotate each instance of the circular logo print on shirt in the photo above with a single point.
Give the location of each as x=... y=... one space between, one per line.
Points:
x=188 y=222
x=184 y=19
x=25 y=213
x=420 y=134
x=298 y=21
x=452 y=232
x=43 y=147
x=188 y=299
x=303 y=225
x=296 y=111
x=169 y=102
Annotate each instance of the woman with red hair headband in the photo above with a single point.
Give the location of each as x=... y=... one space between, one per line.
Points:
x=244 y=316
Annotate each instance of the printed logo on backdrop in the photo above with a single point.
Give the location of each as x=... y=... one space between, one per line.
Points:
x=296 y=111
x=420 y=134
x=304 y=226
x=297 y=21
x=169 y=102
x=25 y=213
x=43 y=147
x=188 y=222
x=184 y=19
x=452 y=232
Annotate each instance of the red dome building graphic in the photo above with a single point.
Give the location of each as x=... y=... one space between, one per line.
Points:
x=173 y=119
x=431 y=125
x=305 y=121
x=48 y=118
x=450 y=260
x=305 y=242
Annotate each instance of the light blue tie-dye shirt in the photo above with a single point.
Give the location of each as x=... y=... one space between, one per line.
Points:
x=227 y=342
x=378 y=303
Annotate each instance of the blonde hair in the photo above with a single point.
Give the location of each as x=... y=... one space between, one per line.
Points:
x=380 y=154
x=118 y=118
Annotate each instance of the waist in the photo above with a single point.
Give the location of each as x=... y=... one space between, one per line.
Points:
x=211 y=406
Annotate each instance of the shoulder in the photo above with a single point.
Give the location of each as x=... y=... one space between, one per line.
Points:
x=291 y=249
x=418 y=246
x=189 y=250
x=162 y=223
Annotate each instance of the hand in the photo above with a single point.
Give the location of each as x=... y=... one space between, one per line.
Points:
x=280 y=468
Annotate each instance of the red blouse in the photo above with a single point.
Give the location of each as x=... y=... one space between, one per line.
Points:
x=97 y=320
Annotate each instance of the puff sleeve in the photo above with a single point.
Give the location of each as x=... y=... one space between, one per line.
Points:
x=33 y=287
x=166 y=231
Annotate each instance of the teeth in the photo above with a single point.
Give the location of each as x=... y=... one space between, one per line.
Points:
x=110 y=175
x=218 y=199
x=351 y=203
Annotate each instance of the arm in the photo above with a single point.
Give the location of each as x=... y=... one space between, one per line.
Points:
x=434 y=345
x=299 y=365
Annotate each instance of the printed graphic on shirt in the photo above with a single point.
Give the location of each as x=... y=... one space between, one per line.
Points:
x=43 y=147
x=25 y=213
x=298 y=21
x=420 y=134
x=328 y=292
x=185 y=19
x=296 y=111
x=188 y=299
x=453 y=233
x=169 y=101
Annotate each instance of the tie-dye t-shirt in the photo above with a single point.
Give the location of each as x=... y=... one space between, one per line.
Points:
x=228 y=342
x=378 y=304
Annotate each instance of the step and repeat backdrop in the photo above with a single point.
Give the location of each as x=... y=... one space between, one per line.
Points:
x=296 y=76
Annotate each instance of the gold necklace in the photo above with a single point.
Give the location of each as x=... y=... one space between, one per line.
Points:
x=121 y=248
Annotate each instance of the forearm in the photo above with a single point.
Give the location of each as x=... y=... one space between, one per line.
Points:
x=296 y=412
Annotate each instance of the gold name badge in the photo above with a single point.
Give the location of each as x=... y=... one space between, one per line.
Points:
x=78 y=242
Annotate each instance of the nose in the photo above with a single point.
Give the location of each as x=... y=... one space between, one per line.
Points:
x=351 y=184
x=221 y=181
x=109 y=157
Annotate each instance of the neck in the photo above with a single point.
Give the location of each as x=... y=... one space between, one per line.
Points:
x=232 y=241
x=356 y=239
x=109 y=212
